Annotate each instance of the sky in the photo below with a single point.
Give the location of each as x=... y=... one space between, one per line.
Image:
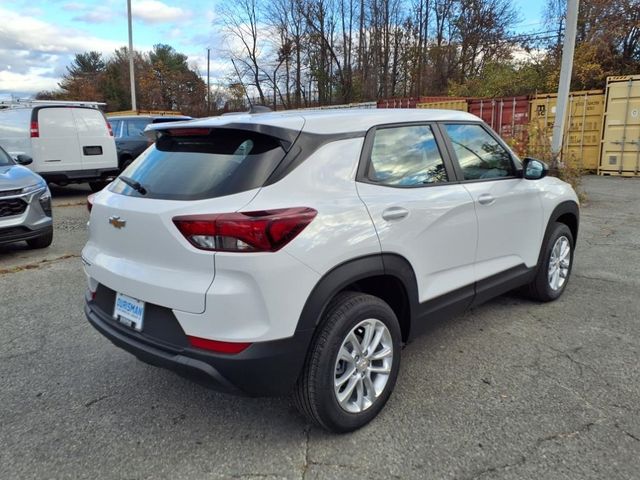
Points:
x=38 y=38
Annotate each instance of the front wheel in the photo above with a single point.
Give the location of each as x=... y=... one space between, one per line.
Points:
x=43 y=241
x=555 y=265
x=352 y=365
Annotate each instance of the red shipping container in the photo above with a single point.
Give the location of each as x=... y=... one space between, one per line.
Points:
x=508 y=116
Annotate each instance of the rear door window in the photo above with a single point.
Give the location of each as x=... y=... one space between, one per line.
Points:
x=135 y=128
x=208 y=164
x=116 y=127
x=406 y=156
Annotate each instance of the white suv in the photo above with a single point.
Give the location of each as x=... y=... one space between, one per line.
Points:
x=297 y=252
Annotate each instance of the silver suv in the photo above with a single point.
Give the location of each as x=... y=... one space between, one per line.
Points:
x=25 y=204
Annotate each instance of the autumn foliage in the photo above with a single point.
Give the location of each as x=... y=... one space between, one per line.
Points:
x=164 y=81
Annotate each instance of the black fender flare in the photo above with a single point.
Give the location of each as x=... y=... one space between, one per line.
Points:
x=351 y=271
x=567 y=207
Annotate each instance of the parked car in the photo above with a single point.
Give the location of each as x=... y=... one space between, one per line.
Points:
x=297 y=252
x=129 y=132
x=25 y=204
x=68 y=143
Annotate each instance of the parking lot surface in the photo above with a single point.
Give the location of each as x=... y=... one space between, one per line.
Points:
x=512 y=389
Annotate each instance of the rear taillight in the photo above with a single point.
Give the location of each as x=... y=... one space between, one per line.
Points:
x=34 y=131
x=110 y=129
x=90 y=201
x=265 y=231
x=217 y=346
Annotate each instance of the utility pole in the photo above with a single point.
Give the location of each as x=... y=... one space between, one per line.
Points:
x=565 y=77
x=208 y=82
x=131 y=72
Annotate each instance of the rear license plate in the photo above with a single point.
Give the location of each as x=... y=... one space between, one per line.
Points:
x=129 y=311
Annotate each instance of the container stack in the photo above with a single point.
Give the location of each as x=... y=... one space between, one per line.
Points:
x=582 y=128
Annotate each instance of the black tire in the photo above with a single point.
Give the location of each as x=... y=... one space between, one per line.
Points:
x=314 y=394
x=97 y=186
x=125 y=162
x=540 y=289
x=43 y=241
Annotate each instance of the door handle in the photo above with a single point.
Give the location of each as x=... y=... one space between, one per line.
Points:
x=486 y=199
x=395 y=213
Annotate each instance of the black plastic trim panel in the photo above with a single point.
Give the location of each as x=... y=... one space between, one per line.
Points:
x=268 y=368
x=17 y=234
x=80 y=175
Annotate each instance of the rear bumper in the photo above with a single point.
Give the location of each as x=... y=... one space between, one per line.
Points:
x=19 y=233
x=263 y=369
x=76 y=176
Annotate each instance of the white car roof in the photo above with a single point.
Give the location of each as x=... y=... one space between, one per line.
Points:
x=327 y=121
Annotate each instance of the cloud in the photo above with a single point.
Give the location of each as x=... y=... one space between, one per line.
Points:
x=154 y=11
x=95 y=14
x=36 y=49
x=34 y=53
x=18 y=32
x=26 y=83
x=73 y=6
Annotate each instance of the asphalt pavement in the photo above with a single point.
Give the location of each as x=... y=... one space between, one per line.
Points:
x=511 y=390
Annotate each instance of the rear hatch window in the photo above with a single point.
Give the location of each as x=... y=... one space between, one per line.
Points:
x=194 y=164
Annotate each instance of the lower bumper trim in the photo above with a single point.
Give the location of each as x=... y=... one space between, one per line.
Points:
x=264 y=369
x=17 y=234
x=191 y=368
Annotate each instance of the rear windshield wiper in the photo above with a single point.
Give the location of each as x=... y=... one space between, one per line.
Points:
x=137 y=186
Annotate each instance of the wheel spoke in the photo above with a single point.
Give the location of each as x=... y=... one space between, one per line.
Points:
x=344 y=377
x=380 y=369
x=360 y=394
x=369 y=330
x=371 y=390
x=346 y=355
x=380 y=354
x=355 y=342
x=375 y=341
x=556 y=279
x=345 y=394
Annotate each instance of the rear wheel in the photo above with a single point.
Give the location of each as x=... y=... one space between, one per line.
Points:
x=97 y=186
x=125 y=161
x=42 y=241
x=555 y=267
x=352 y=365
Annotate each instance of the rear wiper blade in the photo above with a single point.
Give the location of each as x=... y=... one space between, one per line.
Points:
x=137 y=186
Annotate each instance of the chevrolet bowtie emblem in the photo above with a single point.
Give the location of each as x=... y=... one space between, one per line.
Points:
x=117 y=222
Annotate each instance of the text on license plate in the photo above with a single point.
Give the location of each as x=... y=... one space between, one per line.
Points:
x=129 y=310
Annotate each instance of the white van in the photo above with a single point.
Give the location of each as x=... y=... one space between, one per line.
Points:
x=69 y=143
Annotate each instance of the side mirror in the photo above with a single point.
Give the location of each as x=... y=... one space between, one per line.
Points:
x=534 y=169
x=23 y=159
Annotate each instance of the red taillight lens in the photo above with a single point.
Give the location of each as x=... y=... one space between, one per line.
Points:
x=110 y=129
x=90 y=201
x=266 y=231
x=34 y=131
x=217 y=346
